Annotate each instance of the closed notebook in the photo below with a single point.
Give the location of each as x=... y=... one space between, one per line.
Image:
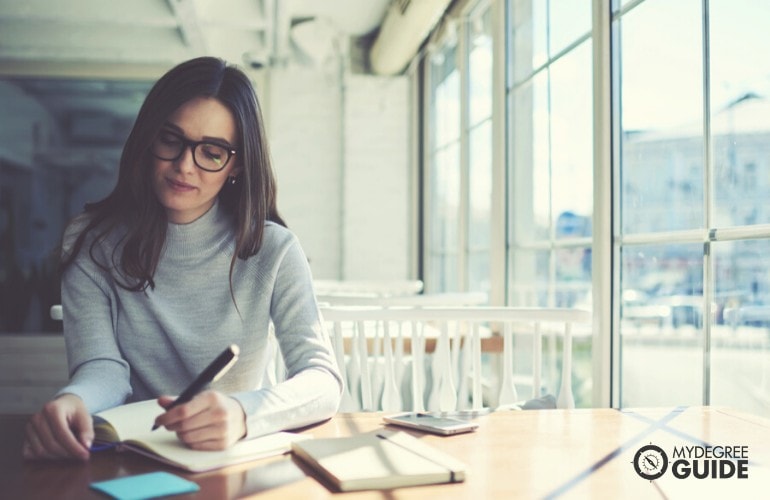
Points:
x=383 y=459
x=129 y=426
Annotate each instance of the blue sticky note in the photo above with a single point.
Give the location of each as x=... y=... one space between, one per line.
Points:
x=139 y=487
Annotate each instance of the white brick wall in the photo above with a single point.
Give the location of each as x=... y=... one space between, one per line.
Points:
x=376 y=210
x=304 y=130
x=361 y=233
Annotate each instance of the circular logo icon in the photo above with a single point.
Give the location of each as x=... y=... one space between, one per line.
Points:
x=650 y=462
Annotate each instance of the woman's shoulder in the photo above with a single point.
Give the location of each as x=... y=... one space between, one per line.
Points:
x=78 y=223
x=83 y=222
x=277 y=234
x=74 y=228
x=277 y=242
x=281 y=249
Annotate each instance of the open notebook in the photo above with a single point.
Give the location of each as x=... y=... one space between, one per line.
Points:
x=130 y=426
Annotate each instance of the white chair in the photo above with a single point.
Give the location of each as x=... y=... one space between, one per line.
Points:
x=448 y=299
x=366 y=288
x=430 y=358
x=56 y=312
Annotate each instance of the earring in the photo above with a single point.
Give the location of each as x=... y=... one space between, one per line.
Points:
x=232 y=180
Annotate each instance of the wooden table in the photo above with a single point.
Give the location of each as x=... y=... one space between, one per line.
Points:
x=514 y=454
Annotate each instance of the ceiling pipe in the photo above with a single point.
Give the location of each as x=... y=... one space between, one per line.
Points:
x=406 y=25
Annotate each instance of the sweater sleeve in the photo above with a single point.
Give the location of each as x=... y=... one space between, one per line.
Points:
x=313 y=387
x=98 y=373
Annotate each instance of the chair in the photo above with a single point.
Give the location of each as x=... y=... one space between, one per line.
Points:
x=366 y=288
x=419 y=299
x=430 y=358
x=56 y=312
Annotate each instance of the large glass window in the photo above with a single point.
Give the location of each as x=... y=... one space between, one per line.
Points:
x=459 y=186
x=60 y=151
x=444 y=172
x=740 y=132
x=694 y=125
x=479 y=133
x=661 y=172
x=689 y=168
x=551 y=163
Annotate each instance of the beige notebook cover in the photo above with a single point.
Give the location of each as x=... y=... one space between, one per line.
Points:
x=130 y=425
x=383 y=459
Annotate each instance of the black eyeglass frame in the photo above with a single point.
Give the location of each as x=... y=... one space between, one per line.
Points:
x=193 y=145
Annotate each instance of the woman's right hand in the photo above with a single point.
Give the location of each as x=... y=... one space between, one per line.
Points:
x=63 y=428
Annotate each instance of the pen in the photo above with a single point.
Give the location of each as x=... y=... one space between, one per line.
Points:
x=212 y=373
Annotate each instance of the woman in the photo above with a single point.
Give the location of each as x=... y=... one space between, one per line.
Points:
x=188 y=255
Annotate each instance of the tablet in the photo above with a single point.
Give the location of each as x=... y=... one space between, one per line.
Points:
x=431 y=423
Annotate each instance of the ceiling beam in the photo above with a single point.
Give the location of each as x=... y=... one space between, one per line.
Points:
x=189 y=26
x=89 y=12
x=80 y=70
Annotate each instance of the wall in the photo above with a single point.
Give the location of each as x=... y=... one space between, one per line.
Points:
x=341 y=155
x=377 y=174
x=304 y=127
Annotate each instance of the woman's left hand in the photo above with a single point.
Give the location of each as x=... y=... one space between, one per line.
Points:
x=209 y=421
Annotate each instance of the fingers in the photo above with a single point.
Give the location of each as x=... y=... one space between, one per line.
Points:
x=165 y=401
x=209 y=436
x=33 y=448
x=210 y=421
x=49 y=433
x=84 y=425
x=47 y=445
x=174 y=416
x=65 y=420
x=201 y=411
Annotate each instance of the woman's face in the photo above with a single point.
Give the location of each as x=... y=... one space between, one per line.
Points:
x=185 y=190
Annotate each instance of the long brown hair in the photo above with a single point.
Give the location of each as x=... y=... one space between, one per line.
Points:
x=132 y=204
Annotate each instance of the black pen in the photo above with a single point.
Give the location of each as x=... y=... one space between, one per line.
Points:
x=212 y=373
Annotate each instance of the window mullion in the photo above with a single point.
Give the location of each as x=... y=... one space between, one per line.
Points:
x=708 y=199
x=463 y=68
x=602 y=247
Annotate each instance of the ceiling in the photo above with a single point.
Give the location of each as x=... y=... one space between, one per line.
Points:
x=55 y=33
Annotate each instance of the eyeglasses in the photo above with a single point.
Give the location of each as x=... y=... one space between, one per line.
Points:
x=208 y=156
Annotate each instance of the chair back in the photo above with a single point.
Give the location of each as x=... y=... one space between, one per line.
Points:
x=399 y=358
x=331 y=291
x=418 y=299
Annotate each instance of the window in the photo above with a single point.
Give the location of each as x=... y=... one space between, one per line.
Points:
x=693 y=140
x=460 y=156
x=444 y=172
x=550 y=194
x=687 y=155
x=479 y=132
x=60 y=151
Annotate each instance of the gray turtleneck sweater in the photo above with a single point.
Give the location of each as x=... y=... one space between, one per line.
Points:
x=127 y=346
